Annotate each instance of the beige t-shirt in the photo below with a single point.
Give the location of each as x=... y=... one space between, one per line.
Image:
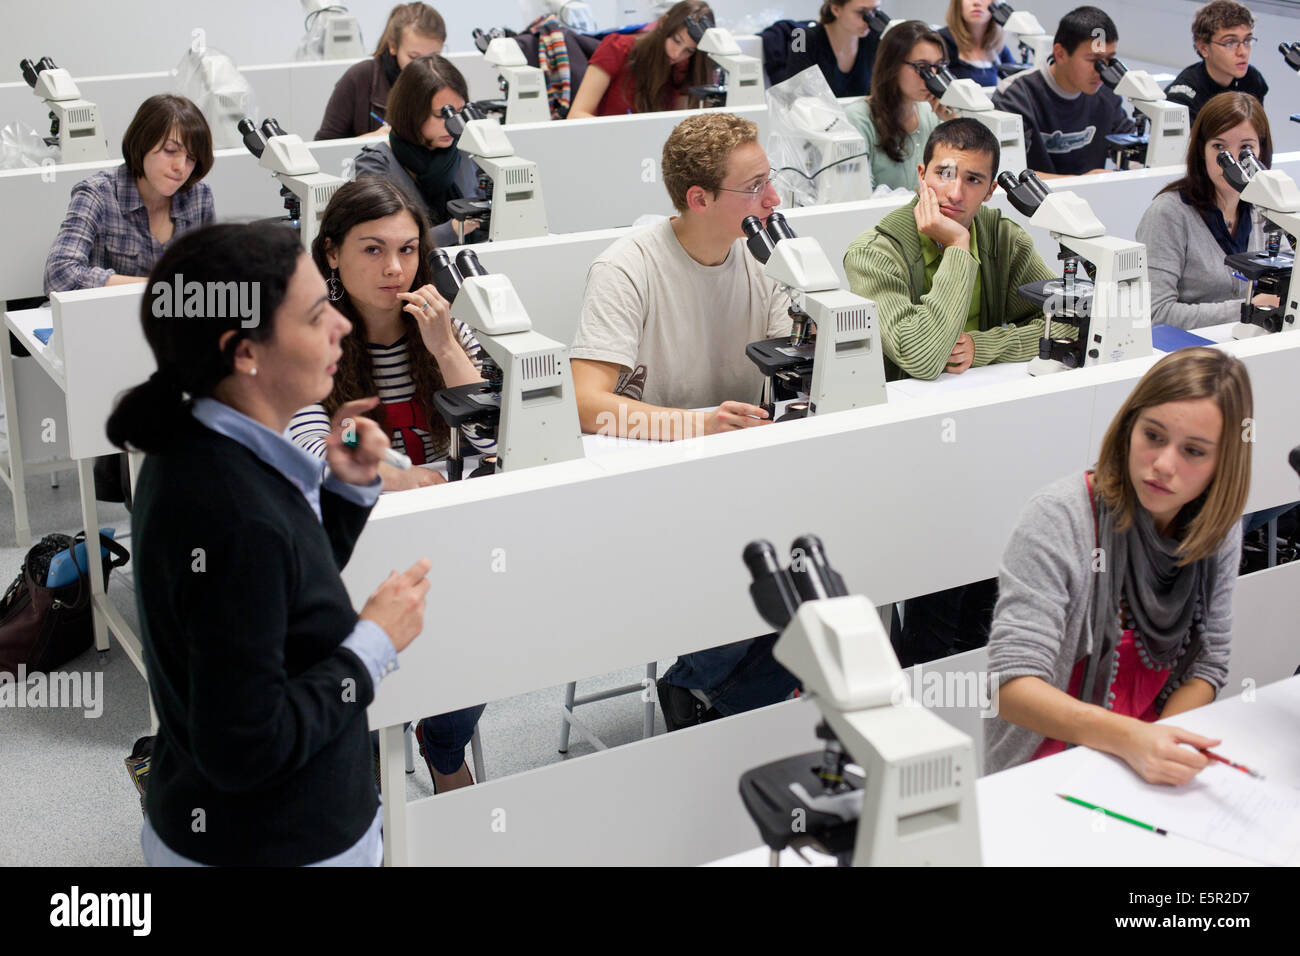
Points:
x=678 y=328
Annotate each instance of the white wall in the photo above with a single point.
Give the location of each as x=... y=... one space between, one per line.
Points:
x=90 y=37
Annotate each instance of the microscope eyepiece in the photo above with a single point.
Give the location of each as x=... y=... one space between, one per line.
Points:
x=760 y=558
x=1294 y=459
x=1007 y=180
x=468 y=264
x=45 y=64
x=1001 y=12
x=759 y=242
x=697 y=26
x=252 y=138
x=778 y=228
x=30 y=73
x=877 y=20
x=271 y=128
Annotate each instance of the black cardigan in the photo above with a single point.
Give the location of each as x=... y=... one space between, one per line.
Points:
x=262 y=755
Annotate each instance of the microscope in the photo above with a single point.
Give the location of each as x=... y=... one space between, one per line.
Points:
x=833 y=354
x=968 y=99
x=1270 y=272
x=342 y=32
x=738 y=79
x=831 y=149
x=1035 y=43
x=74 y=123
x=878 y=21
x=1291 y=53
x=512 y=207
x=523 y=87
x=306 y=190
x=894 y=784
x=1161 y=139
x=526 y=399
x=1110 y=305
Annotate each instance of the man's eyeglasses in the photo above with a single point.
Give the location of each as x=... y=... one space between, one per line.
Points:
x=925 y=68
x=753 y=192
x=1232 y=43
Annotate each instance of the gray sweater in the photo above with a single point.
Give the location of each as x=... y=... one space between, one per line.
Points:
x=1191 y=286
x=1042 y=624
x=380 y=161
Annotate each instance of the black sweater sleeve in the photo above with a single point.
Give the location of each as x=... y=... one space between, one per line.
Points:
x=343 y=521
x=251 y=724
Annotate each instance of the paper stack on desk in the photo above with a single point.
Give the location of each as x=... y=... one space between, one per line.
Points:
x=1221 y=807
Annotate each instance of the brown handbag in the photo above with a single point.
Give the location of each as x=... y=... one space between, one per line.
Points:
x=43 y=628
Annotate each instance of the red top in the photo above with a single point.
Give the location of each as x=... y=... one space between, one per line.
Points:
x=611 y=56
x=1135 y=687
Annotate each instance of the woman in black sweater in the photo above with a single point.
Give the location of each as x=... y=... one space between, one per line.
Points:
x=259 y=668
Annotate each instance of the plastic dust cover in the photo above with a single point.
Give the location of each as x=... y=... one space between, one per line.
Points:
x=212 y=81
x=21 y=147
x=818 y=155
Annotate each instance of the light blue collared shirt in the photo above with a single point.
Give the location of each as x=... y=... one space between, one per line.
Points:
x=367 y=640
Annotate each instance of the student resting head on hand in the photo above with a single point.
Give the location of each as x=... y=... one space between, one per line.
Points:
x=646 y=73
x=1115 y=592
x=1198 y=220
x=120 y=220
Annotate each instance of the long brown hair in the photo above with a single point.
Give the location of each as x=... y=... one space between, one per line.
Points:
x=366 y=199
x=410 y=101
x=648 y=70
x=886 y=99
x=993 y=41
x=1187 y=375
x=418 y=18
x=1216 y=117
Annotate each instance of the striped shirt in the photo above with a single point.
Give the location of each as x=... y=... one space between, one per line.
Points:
x=391 y=365
x=106 y=231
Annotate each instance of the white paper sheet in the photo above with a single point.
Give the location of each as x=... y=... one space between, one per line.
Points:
x=1221 y=807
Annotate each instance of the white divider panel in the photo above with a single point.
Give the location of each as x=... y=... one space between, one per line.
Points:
x=1265 y=603
x=294 y=93
x=672 y=800
x=592 y=564
x=104 y=353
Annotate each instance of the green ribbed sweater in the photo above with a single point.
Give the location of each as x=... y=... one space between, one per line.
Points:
x=920 y=326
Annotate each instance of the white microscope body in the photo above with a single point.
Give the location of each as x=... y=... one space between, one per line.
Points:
x=1034 y=41
x=1119 y=326
x=1277 y=198
x=848 y=357
x=342 y=31
x=918 y=802
x=525 y=86
x=744 y=74
x=1168 y=121
x=834 y=149
x=287 y=156
x=81 y=134
x=539 y=413
x=517 y=208
x=968 y=99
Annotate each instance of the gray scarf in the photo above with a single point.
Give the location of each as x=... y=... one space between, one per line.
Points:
x=1166 y=601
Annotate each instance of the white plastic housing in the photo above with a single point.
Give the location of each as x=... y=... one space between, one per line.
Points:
x=504 y=51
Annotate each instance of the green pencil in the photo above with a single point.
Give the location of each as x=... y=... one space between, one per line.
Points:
x=1112 y=813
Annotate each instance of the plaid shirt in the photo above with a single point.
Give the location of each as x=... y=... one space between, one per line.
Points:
x=107 y=231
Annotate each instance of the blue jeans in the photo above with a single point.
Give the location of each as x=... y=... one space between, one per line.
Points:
x=736 y=677
x=446 y=735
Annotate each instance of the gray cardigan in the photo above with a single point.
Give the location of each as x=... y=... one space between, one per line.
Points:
x=1042 y=624
x=380 y=161
x=1191 y=287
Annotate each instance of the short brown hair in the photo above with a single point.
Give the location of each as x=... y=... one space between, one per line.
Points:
x=419 y=17
x=156 y=119
x=1220 y=114
x=1219 y=15
x=697 y=152
x=1186 y=375
x=410 y=100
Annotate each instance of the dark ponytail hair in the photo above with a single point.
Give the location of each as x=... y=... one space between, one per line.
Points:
x=185 y=346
